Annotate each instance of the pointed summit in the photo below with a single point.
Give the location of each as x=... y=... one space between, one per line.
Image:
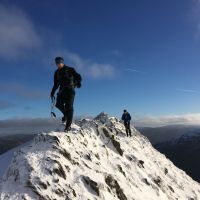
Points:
x=102 y=117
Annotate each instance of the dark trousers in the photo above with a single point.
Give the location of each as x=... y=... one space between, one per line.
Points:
x=128 y=128
x=64 y=103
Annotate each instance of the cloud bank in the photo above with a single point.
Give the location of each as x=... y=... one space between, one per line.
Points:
x=29 y=125
x=15 y=125
x=152 y=121
x=17 y=33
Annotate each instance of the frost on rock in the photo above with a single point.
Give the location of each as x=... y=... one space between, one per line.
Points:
x=95 y=161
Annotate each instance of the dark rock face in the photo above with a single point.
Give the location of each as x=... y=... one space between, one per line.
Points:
x=121 y=170
x=146 y=181
x=42 y=185
x=59 y=170
x=114 y=186
x=171 y=188
x=93 y=185
x=141 y=163
x=115 y=143
x=157 y=181
x=34 y=189
x=106 y=132
x=117 y=146
x=166 y=171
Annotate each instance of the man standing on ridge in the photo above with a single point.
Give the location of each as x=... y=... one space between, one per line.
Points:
x=126 y=117
x=66 y=79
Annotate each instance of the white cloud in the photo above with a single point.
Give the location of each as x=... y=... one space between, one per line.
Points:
x=17 y=33
x=153 y=121
x=101 y=70
x=86 y=66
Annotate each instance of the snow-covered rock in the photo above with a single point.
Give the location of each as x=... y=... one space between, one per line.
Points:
x=95 y=160
x=6 y=158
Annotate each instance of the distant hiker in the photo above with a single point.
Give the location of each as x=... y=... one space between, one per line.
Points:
x=67 y=79
x=126 y=117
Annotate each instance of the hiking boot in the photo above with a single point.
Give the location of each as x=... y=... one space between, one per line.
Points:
x=67 y=129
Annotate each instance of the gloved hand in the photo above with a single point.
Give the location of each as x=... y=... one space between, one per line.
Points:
x=78 y=85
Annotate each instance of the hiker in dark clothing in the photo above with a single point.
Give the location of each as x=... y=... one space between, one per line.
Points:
x=66 y=79
x=126 y=117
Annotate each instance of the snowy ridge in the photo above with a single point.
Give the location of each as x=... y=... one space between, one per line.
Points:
x=94 y=161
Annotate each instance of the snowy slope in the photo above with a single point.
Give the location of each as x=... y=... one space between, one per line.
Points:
x=6 y=158
x=95 y=161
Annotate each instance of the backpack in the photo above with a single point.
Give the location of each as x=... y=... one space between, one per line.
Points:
x=77 y=80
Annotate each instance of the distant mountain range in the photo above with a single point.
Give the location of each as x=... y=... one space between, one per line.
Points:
x=169 y=133
x=181 y=144
x=10 y=141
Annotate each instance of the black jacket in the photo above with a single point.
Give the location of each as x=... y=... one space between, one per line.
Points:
x=126 y=117
x=66 y=77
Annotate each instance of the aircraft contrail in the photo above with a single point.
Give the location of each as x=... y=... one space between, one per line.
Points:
x=188 y=91
x=134 y=70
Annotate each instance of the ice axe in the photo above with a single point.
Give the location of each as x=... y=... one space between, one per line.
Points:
x=52 y=107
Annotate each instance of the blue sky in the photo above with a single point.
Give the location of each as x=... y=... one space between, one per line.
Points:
x=139 y=55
